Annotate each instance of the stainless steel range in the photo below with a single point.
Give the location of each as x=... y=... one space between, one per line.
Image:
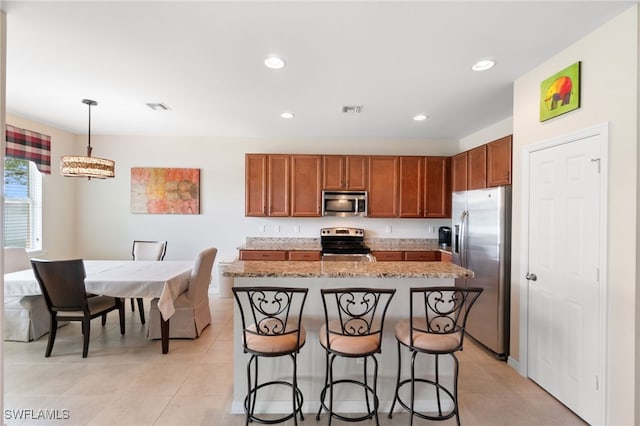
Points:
x=345 y=244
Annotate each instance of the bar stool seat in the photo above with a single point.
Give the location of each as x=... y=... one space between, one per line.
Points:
x=354 y=319
x=271 y=327
x=437 y=328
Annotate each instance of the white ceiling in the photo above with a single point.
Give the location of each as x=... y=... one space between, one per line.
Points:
x=205 y=61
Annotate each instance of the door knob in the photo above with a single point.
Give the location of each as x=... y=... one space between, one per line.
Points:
x=531 y=277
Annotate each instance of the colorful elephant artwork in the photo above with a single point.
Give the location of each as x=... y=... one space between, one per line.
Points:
x=559 y=91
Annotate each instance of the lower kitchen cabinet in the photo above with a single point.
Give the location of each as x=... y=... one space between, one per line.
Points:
x=263 y=255
x=304 y=255
x=280 y=255
x=421 y=256
x=388 y=256
x=411 y=256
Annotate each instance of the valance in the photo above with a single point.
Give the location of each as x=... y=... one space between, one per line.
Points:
x=27 y=145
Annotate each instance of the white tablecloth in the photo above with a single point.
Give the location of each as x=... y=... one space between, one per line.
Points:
x=165 y=279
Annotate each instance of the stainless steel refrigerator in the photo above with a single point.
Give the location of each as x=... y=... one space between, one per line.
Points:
x=481 y=242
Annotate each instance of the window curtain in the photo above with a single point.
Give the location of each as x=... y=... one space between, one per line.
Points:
x=27 y=145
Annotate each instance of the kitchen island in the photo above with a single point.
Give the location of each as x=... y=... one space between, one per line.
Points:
x=315 y=275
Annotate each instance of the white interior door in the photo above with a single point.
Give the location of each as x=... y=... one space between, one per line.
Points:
x=564 y=340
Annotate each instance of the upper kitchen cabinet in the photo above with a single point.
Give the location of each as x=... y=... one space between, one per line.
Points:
x=425 y=187
x=484 y=166
x=383 y=186
x=459 y=172
x=477 y=167
x=267 y=185
x=499 y=162
x=412 y=182
x=345 y=172
x=306 y=185
x=437 y=189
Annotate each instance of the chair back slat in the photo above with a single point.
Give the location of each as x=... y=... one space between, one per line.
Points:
x=270 y=311
x=355 y=311
x=441 y=310
x=62 y=283
x=149 y=250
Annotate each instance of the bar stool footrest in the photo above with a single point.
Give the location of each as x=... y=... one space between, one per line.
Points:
x=425 y=416
x=367 y=416
x=254 y=418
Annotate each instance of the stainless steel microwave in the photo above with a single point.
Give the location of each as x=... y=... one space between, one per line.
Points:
x=344 y=203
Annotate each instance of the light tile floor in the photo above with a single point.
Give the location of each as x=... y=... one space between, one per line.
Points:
x=127 y=381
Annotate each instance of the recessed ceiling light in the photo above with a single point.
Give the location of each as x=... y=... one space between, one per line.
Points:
x=287 y=115
x=483 y=65
x=420 y=117
x=274 y=62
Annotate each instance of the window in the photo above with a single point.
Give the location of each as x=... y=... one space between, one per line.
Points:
x=22 y=204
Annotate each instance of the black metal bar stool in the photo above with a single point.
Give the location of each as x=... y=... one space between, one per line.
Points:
x=271 y=327
x=354 y=319
x=437 y=318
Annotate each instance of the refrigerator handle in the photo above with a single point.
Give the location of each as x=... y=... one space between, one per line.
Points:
x=461 y=240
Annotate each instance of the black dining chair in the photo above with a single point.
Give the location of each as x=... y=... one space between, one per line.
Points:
x=62 y=284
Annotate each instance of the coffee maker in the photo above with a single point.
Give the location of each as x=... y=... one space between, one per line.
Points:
x=444 y=236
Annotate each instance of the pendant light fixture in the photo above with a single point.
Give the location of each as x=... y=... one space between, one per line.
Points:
x=89 y=167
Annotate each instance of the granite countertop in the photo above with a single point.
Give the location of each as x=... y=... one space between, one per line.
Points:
x=340 y=269
x=313 y=244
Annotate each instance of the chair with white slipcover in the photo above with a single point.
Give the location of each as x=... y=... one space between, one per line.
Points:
x=25 y=317
x=146 y=250
x=192 y=307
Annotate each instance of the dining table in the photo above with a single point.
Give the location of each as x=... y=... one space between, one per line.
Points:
x=164 y=280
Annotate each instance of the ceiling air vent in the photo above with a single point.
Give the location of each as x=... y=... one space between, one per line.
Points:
x=158 y=107
x=352 y=109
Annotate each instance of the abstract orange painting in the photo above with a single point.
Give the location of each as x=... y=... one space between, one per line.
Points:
x=165 y=190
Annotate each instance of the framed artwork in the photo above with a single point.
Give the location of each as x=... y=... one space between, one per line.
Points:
x=165 y=190
x=560 y=93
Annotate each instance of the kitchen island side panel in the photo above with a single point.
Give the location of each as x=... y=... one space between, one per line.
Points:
x=311 y=359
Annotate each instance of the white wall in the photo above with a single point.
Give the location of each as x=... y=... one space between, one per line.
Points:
x=609 y=93
x=488 y=134
x=92 y=219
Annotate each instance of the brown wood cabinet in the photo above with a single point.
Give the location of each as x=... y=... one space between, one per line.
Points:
x=383 y=186
x=388 y=256
x=483 y=167
x=421 y=256
x=412 y=182
x=304 y=255
x=269 y=255
x=306 y=185
x=266 y=185
x=425 y=187
x=477 y=168
x=459 y=172
x=345 y=172
x=255 y=191
x=263 y=255
x=411 y=256
x=499 y=162
x=437 y=188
